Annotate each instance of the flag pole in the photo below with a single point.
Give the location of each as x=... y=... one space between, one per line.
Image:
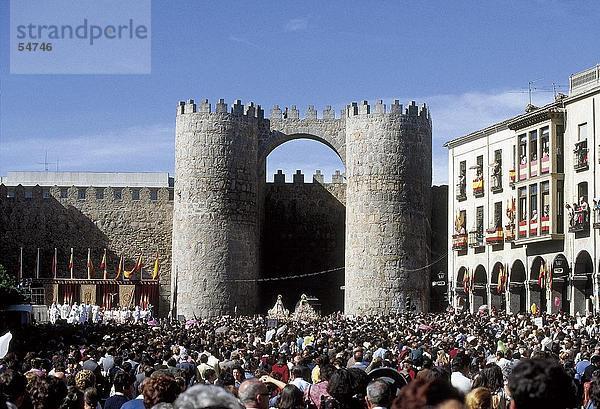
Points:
x=104 y=261
x=21 y=265
x=37 y=264
x=88 y=264
x=71 y=262
x=55 y=263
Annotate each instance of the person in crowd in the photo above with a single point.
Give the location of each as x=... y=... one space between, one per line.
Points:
x=254 y=394
x=91 y=400
x=422 y=394
x=160 y=388
x=206 y=396
x=378 y=394
x=123 y=385
x=291 y=398
x=541 y=383
x=479 y=398
x=492 y=379
x=460 y=372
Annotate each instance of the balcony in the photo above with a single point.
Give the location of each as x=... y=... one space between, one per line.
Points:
x=476 y=238
x=478 y=186
x=494 y=235
x=459 y=241
x=578 y=220
x=509 y=232
x=461 y=191
x=580 y=156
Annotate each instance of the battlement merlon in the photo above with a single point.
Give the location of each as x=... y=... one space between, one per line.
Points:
x=396 y=108
x=238 y=109
x=293 y=113
x=298 y=178
x=39 y=193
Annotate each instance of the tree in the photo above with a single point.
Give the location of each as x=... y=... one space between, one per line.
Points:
x=9 y=291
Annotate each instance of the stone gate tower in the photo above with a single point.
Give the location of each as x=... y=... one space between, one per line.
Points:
x=388 y=171
x=220 y=159
x=215 y=214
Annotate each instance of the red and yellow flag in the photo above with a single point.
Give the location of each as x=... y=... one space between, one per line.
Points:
x=119 y=268
x=466 y=281
x=542 y=275
x=90 y=265
x=103 y=264
x=137 y=268
x=156 y=268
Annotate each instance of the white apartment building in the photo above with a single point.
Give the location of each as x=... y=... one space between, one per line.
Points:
x=524 y=218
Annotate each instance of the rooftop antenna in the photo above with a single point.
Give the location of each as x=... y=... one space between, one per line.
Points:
x=530 y=83
x=46 y=163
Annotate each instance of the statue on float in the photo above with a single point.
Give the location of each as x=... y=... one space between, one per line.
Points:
x=304 y=311
x=278 y=311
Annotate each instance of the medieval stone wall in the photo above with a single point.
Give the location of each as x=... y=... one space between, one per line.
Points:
x=303 y=231
x=42 y=218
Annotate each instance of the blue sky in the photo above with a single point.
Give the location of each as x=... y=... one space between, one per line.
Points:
x=469 y=60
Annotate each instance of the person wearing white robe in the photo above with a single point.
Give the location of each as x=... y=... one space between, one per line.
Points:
x=65 y=311
x=52 y=313
x=73 y=314
x=95 y=314
x=82 y=314
x=136 y=314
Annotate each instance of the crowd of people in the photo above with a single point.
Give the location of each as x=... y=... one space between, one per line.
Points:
x=402 y=361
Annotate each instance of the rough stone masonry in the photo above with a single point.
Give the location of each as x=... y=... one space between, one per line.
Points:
x=220 y=159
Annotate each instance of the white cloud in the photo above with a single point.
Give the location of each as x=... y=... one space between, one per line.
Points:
x=296 y=24
x=149 y=148
x=244 y=41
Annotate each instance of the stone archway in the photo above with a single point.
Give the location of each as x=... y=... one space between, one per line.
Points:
x=517 y=287
x=497 y=299
x=537 y=293
x=480 y=295
x=302 y=231
x=560 y=281
x=583 y=289
x=462 y=297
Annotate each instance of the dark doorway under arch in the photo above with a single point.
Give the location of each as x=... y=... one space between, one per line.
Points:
x=560 y=281
x=537 y=291
x=303 y=231
x=497 y=298
x=518 y=294
x=463 y=297
x=479 y=288
x=583 y=289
